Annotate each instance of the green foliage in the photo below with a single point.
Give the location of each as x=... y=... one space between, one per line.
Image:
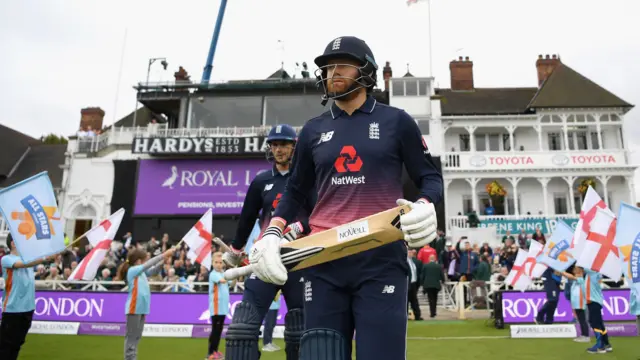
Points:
x=53 y=139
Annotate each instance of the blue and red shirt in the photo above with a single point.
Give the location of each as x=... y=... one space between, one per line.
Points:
x=356 y=162
x=262 y=198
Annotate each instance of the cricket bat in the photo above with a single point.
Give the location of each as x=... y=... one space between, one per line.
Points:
x=352 y=238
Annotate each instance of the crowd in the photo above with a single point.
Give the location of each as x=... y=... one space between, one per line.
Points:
x=176 y=269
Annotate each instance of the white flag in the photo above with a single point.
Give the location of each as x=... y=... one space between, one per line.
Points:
x=533 y=268
x=591 y=203
x=517 y=276
x=100 y=238
x=599 y=252
x=199 y=239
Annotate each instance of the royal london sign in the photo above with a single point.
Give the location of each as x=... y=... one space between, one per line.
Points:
x=539 y=160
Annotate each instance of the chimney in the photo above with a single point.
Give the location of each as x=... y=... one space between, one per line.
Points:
x=545 y=66
x=91 y=116
x=461 y=74
x=387 y=74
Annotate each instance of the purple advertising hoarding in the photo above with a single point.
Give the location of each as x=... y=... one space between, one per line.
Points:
x=522 y=307
x=109 y=307
x=191 y=187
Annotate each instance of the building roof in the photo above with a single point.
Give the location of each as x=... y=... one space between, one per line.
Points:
x=566 y=88
x=40 y=157
x=14 y=146
x=486 y=101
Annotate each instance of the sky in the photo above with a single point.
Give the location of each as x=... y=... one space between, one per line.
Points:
x=59 y=56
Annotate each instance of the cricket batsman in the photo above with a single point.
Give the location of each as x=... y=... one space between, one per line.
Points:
x=354 y=154
x=262 y=197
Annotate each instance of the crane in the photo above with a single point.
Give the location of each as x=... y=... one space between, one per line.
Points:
x=206 y=74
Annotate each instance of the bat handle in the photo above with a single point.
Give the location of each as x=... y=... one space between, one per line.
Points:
x=235 y=273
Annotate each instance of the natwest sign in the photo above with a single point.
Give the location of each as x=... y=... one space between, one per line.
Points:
x=198 y=145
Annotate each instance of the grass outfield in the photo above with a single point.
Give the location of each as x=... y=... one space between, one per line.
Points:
x=429 y=340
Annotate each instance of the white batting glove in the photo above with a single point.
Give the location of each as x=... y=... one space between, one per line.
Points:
x=265 y=258
x=292 y=231
x=232 y=258
x=419 y=225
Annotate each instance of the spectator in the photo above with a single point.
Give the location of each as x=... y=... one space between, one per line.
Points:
x=54 y=273
x=509 y=253
x=432 y=279
x=153 y=246
x=105 y=275
x=189 y=268
x=415 y=267
x=539 y=237
x=486 y=250
x=66 y=273
x=508 y=236
x=179 y=268
x=165 y=242
x=451 y=262
x=425 y=253
x=483 y=271
x=127 y=239
x=468 y=261
x=440 y=242
x=523 y=241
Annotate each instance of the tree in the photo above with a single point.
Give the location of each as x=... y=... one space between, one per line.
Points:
x=53 y=139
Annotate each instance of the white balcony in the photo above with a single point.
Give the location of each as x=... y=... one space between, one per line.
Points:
x=472 y=161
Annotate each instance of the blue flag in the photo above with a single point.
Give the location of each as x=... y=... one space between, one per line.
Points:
x=556 y=253
x=30 y=209
x=252 y=237
x=628 y=242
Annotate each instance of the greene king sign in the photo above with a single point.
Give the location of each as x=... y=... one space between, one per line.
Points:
x=198 y=145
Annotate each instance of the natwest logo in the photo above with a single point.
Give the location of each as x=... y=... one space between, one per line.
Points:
x=348 y=162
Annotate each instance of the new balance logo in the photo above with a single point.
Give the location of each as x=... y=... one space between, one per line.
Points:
x=388 y=289
x=325 y=137
x=268 y=187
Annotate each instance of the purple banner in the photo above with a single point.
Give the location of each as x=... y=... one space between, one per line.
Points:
x=191 y=187
x=109 y=307
x=522 y=307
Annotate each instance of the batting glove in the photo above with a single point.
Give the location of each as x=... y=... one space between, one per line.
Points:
x=265 y=257
x=419 y=225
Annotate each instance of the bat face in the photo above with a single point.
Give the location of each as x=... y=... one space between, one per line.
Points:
x=348 y=239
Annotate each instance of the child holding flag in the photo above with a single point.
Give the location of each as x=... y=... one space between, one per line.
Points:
x=579 y=301
x=593 y=291
x=19 y=301
x=218 y=305
x=134 y=273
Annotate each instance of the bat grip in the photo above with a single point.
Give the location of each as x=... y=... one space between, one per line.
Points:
x=235 y=273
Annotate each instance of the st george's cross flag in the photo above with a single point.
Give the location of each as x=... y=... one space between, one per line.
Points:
x=200 y=241
x=591 y=203
x=533 y=268
x=100 y=238
x=556 y=252
x=599 y=254
x=517 y=276
x=628 y=242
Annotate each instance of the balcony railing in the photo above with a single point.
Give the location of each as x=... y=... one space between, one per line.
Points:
x=125 y=135
x=461 y=221
x=533 y=159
